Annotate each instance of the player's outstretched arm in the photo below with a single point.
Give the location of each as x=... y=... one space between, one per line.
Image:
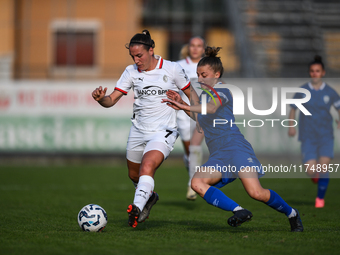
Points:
x=174 y=96
x=176 y=105
x=194 y=100
x=291 y=129
x=99 y=94
x=179 y=104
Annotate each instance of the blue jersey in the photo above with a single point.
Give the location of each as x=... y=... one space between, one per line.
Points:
x=222 y=137
x=319 y=125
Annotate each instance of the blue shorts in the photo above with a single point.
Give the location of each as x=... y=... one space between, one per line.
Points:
x=230 y=163
x=314 y=149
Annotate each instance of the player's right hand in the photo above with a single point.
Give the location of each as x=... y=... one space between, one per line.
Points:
x=291 y=131
x=99 y=93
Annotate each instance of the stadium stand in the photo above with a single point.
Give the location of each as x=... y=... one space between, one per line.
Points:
x=284 y=35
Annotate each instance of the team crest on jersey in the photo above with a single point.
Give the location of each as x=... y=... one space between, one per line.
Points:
x=326 y=99
x=165 y=78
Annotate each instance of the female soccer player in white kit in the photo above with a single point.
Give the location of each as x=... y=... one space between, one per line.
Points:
x=154 y=130
x=192 y=147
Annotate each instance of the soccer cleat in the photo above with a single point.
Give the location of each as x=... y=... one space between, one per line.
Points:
x=134 y=213
x=296 y=223
x=319 y=202
x=191 y=194
x=239 y=217
x=147 y=208
x=315 y=179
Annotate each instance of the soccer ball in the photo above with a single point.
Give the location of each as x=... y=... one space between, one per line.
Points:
x=92 y=218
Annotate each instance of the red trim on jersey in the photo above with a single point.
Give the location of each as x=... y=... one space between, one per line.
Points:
x=187 y=86
x=187 y=61
x=161 y=64
x=139 y=70
x=120 y=90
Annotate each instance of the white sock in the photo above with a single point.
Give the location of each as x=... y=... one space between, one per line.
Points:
x=186 y=161
x=292 y=214
x=195 y=159
x=237 y=208
x=144 y=190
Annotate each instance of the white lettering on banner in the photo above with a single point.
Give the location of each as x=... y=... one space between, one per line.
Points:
x=56 y=99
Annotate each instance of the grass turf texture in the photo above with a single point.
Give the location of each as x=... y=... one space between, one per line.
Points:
x=40 y=206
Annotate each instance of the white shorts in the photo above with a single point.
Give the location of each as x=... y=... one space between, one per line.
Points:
x=140 y=142
x=183 y=123
x=186 y=125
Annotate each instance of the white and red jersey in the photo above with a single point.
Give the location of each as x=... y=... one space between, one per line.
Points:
x=149 y=113
x=189 y=67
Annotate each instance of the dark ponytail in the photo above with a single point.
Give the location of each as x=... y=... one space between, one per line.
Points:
x=212 y=60
x=317 y=60
x=143 y=38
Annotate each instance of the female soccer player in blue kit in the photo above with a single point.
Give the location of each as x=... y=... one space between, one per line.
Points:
x=228 y=148
x=316 y=130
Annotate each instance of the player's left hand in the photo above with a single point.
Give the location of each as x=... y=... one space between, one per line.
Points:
x=172 y=104
x=173 y=95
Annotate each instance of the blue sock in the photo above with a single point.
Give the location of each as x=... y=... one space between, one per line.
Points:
x=217 y=198
x=323 y=184
x=277 y=203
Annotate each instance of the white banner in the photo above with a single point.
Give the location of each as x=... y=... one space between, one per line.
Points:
x=61 y=116
x=41 y=98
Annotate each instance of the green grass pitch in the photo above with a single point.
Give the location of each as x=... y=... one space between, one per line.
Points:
x=39 y=207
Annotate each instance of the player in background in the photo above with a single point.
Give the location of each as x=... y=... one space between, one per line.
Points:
x=228 y=148
x=191 y=53
x=316 y=130
x=154 y=129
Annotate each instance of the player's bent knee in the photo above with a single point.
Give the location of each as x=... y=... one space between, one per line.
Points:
x=196 y=183
x=199 y=186
x=147 y=168
x=257 y=195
